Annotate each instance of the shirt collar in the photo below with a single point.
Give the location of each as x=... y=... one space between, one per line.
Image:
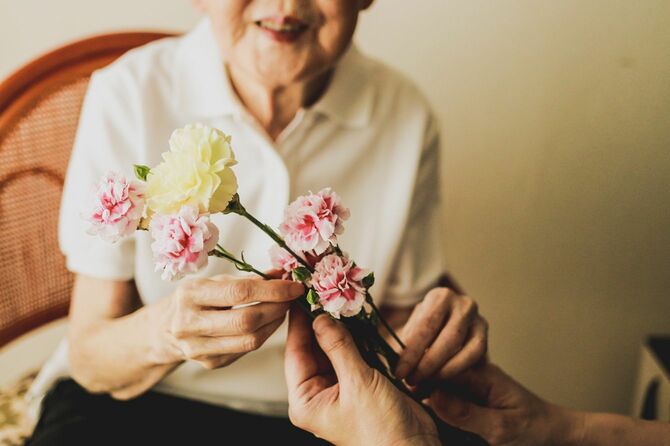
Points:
x=203 y=88
x=349 y=99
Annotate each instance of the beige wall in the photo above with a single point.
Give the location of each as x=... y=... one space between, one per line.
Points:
x=556 y=122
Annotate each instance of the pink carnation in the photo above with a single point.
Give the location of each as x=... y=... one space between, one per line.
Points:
x=182 y=242
x=117 y=207
x=339 y=284
x=282 y=260
x=312 y=222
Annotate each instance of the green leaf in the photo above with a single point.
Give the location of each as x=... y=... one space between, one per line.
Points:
x=301 y=274
x=312 y=297
x=141 y=171
x=369 y=280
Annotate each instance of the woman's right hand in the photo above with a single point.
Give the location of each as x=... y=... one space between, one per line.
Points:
x=216 y=321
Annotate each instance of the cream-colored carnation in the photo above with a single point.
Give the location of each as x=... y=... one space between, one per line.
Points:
x=195 y=172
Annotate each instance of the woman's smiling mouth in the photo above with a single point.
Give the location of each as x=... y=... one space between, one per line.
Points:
x=282 y=28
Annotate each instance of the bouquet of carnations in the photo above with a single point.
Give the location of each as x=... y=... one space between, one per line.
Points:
x=174 y=201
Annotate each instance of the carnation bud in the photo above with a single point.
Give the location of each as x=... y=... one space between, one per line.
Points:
x=368 y=280
x=141 y=171
x=301 y=274
x=312 y=297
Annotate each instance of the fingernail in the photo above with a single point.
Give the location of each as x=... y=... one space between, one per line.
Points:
x=297 y=289
x=401 y=370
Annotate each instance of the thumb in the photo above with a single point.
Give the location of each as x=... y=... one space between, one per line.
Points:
x=339 y=347
x=463 y=414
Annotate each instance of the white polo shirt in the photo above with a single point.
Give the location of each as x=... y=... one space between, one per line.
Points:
x=372 y=138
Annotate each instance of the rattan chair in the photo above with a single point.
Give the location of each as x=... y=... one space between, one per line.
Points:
x=39 y=111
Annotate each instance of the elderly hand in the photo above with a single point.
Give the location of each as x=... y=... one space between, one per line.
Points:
x=339 y=398
x=486 y=401
x=444 y=336
x=199 y=323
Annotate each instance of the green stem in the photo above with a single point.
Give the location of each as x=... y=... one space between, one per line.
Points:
x=370 y=344
x=275 y=237
x=235 y=207
x=386 y=325
x=240 y=264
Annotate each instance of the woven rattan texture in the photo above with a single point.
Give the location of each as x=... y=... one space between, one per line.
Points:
x=33 y=158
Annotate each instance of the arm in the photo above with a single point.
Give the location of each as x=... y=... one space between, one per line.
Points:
x=602 y=429
x=491 y=404
x=111 y=339
x=121 y=348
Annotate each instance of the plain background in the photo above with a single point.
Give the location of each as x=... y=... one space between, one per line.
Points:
x=556 y=130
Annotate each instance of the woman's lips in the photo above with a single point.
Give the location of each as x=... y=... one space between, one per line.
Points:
x=282 y=29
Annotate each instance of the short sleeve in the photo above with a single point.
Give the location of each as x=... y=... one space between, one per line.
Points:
x=105 y=141
x=420 y=261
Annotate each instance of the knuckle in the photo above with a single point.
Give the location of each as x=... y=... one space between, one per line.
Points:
x=451 y=347
x=338 y=343
x=241 y=289
x=188 y=350
x=209 y=364
x=410 y=356
x=183 y=295
x=480 y=347
x=179 y=331
x=429 y=364
x=434 y=295
x=251 y=342
x=469 y=305
x=441 y=296
x=247 y=321
x=430 y=324
x=179 y=327
x=189 y=286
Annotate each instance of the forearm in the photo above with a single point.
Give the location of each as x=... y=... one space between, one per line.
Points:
x=121 y=356
x=609 y=429
x=601 y=429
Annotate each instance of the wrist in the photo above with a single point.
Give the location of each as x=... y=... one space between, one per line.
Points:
x=163 y=349
x=567 y=427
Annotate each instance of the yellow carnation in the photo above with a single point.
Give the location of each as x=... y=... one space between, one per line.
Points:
x=195 y=172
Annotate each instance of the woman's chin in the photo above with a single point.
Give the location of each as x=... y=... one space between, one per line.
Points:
x=277 y=71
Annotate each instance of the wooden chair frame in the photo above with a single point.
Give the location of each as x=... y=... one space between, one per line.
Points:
x=21 y=91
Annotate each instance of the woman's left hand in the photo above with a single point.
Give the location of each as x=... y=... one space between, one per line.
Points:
x=444 y=336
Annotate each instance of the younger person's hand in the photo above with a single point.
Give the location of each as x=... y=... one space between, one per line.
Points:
x=489 y=403
x=339 y=398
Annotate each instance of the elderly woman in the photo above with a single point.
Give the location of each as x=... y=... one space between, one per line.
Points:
x=154 y=362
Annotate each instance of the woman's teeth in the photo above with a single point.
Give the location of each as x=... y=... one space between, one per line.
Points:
x=280 y=27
